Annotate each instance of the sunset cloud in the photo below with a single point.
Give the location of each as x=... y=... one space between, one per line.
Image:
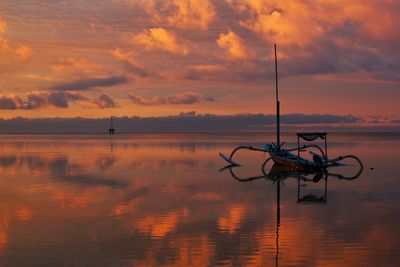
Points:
x=160 y=39
x=347 y=51
x=3 y=25
x=75 y=66
x=89 y=83
x=129 y=62
x=233 y=44
x=185 y=98
x=104 y=101
x=294 y=22
x=37 y=100
x=188 y=122
x=11 y=53
x=182 y=14
x=190 y=14
x=284 y=22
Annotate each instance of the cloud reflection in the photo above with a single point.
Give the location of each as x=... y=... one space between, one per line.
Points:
x=150 y=202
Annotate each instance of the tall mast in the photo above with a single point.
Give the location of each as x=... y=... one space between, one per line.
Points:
x=278 y=142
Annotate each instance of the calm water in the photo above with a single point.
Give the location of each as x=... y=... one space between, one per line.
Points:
x=148 y=200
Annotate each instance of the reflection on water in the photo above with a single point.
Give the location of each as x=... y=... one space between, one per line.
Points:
x=148 y=200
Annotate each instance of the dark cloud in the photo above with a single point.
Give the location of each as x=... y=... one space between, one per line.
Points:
x=299 y=118
x=135 y=69
x=10 y=102
x=38 y=100
x=129 y=63
x=185 y=98
x=187 y=114
x=374 y=122
x=138 y=100
x=60 y=99
x=89 y=83
x=104 y=101
x=185 y=122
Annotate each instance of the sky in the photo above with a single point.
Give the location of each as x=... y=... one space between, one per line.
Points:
x=152 y=58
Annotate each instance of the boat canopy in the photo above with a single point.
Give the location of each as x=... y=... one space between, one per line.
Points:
x=311 y=136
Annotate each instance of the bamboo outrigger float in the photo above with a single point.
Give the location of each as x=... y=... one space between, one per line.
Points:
x=286 y=157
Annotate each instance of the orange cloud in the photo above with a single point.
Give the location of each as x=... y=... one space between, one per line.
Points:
x=130 y=62
x=3 y=25
x=160 y=38
x=300 y=22
x=209 y=67
x=183 y=14
x=191 y=14
x=9 y=54
x=284 y=22
x=24 y=53
x=376 y=18
x=234 y=45
x=75 y=66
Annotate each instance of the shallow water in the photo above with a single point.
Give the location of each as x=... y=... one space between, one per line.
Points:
x=148 y=200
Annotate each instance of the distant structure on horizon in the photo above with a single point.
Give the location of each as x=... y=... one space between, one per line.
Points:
x=111 y=130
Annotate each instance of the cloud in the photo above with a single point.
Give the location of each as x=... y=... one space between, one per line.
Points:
x=138 y=100
x=89 y=83
x=299 y=118
x=301 y=22
x=61 y=99
x=234 y=45
x=185 y=98
x=190 y=14
x=129 y=61
x=72 y=65
x=187 y=114
x=3 y=25
x=24 y=53
x=161 y=39
x=187 y=122
x=284 y=22
x=104 y=101
x=182 y=14
x=10 y=102
x=208 y=67
x=11 y=54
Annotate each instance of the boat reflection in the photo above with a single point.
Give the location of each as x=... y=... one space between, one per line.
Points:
x=279 y=173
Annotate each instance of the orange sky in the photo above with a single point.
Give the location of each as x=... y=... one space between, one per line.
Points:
x=152 y=58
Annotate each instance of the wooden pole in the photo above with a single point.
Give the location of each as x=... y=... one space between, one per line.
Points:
x=278 y=141
x=326 y=147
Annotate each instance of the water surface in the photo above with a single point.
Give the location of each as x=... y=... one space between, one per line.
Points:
x=151 y=200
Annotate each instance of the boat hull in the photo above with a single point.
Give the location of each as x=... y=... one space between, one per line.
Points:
x=293 y=161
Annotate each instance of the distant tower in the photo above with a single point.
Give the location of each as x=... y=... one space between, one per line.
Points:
x=111 y=130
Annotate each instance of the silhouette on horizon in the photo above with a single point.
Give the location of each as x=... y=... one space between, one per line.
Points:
x=111 y=130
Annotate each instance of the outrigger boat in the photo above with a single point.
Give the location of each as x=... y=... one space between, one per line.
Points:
x=286 y=157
